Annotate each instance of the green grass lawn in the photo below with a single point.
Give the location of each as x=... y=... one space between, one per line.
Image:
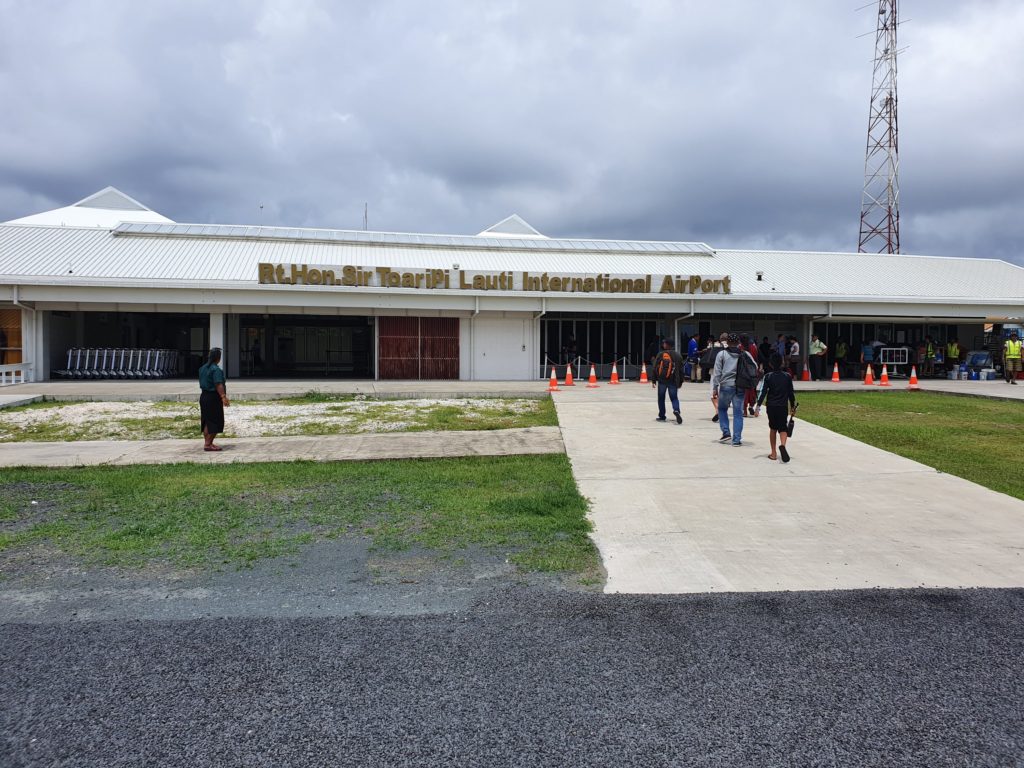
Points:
x=975 y=438
x=525 y=507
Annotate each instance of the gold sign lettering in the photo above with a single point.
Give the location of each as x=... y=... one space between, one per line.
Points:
x=351 y=276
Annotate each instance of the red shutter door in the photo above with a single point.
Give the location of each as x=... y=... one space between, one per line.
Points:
x=439 y=347
x=399 y=346
x=418 y=348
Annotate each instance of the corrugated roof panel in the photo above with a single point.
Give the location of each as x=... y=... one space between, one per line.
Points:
x=47 y=251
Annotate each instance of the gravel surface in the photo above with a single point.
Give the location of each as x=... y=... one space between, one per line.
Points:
x=330 y=577
x=534 y=678
x=251 y=419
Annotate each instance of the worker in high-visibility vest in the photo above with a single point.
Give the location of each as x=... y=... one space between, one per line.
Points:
x=1011 y=358
x=953 y=353
x=929 y=356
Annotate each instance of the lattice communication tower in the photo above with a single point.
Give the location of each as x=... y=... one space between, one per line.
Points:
x=880 y=203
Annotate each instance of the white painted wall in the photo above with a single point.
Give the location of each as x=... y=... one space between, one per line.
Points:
x=500 y=349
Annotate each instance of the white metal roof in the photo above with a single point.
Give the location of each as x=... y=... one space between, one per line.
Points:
x=106 y=208
x=199 y=253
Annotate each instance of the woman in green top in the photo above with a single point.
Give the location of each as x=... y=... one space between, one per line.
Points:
x=212 y=400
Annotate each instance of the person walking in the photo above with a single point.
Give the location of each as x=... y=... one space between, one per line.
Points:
x=730 y=389
x=817 y=350
x=1011 y=358
x=707 y=363
x=668 y=375
x=213 y=399
x=777 y=389
x=747 y=344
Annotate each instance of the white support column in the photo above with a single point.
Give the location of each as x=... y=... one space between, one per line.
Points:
x=41 y=368
x=30 y=344
x=376 y=349
x=217 y=336
x=232 y=355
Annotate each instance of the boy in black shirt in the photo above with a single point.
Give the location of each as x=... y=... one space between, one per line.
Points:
x=777 y=389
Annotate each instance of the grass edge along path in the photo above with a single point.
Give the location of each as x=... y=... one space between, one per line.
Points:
x=527 y=508
x=978 y=439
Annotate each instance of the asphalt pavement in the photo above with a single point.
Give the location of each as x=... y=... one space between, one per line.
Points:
x=527 y=678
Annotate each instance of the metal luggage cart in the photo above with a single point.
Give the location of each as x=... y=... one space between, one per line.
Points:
x=893 y=358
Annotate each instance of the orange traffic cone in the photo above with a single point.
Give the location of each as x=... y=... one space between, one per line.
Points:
x=806 y=375
x=884 y=381
x=568 y=376
x=912 y=386
x=869 y=377
x=592 y=382
x=553 y=385
x=835 y=373
x=643 y=374
x=615 y=375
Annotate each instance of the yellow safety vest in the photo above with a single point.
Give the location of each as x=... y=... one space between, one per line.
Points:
x=953 y=351
x=1013 y=349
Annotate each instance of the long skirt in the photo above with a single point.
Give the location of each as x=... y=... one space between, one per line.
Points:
x=211 y=412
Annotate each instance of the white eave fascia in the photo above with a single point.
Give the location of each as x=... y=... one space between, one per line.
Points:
x=249 y=285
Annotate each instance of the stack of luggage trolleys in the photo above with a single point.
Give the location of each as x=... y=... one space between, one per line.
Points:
x=119 y=363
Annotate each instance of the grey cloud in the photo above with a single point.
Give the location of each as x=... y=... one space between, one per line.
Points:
x=739 y=124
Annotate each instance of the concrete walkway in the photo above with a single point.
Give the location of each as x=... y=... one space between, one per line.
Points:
x=403 y=445
x=675 y=511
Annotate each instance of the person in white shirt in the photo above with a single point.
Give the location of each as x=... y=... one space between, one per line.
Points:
x=796 y=362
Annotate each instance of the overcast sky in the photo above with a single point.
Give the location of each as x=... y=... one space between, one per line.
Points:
x=740 y=123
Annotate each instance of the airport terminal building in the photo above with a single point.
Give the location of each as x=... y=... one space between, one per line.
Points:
x=108 y=288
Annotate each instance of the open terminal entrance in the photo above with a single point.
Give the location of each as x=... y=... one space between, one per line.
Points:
x=584 y=340
x=127 y=345
x=306 y=346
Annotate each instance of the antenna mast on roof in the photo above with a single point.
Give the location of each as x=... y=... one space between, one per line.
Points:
x=879 y=208
x=366 y=216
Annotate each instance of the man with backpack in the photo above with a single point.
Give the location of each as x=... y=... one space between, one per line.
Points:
x=668 y=375
x=735 y=373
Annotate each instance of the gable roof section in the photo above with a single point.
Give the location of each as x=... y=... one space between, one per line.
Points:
x=106 y=208
x=511 y=225
x=110 y=199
